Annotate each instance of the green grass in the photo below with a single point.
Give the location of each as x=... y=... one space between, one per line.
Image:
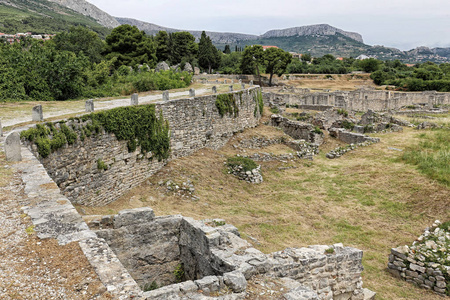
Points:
x=432 y=155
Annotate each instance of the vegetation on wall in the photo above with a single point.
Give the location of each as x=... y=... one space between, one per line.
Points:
x=259 y=107
x=227 y=104
x=138 y=125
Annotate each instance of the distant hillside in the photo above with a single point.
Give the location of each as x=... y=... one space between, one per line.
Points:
x=216 y=37
x=41 y=16
x=317 y=45
x=312 y=30
x=87 y=9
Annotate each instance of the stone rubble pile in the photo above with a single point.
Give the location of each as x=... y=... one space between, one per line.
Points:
x=186 y=189
x=339 y=151
x=253 y=176
x=426 y=262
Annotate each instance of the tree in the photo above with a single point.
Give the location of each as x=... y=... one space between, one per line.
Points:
x=162 y=46
x=208 y=55
x=369 y=65
x=306 y=57
x=276 y=61
x=229 y=64
x=252 y=58
x=227 y=49
x=183 y=47
x=131 y=46
x=80 y=39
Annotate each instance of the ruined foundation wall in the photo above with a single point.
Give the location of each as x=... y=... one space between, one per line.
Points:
x=194 y=124
x=361 y=100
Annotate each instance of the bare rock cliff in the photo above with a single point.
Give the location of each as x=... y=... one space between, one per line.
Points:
x=90 y=10
x=321 y=29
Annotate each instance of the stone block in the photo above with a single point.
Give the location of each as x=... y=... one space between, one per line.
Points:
x=415 y=267
x=208 y=284
x=89 y=105
x=214 y=89
x=251 y=83
x=236 y=281
x=133 y=216
x=243 y=86
x=165 y=96
x=225 y=81
x=191 y=93
x=134 y=99
x=37 y=114
x=231 y=88
x=12 y=147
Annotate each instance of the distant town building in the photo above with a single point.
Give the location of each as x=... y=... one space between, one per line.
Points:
x=296 y=55
x=267 y=47
x=12 y=38
x=362 y=56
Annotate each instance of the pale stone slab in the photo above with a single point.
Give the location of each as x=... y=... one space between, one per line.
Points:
x=37 y=114
x=135 y=99
x=165 y=96
x=191 y=93
x=89 y=105
x=12 y=147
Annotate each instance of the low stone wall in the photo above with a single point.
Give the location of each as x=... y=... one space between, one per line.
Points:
x=297 y=130
x=195 y=123
x=360 y=100
x=426 y=262
x=351 y=137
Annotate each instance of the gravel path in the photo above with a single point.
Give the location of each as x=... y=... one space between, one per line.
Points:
x=99 y=105
x=31 y=268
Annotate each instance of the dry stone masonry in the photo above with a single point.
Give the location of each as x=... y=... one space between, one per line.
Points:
x=426 y=262
x=216 y=261
x=359 y=100
x=194 y=124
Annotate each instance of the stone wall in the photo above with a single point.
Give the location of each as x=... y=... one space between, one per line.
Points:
x=216 y=259
x=426 y=262
x=360 y=100
x=194 y=124
x=297 y=130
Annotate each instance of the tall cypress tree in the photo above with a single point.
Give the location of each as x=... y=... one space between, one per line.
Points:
x=208 y=55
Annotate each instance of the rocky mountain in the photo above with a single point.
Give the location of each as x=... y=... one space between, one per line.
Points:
x=216 y=37
x=90 y=10
x=320 y=29
x=42 y=16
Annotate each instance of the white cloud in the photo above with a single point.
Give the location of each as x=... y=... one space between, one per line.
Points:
x=400 y=23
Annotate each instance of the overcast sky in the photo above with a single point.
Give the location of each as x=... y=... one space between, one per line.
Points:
x=404 y=24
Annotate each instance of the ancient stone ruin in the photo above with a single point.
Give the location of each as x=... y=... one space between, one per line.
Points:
x=186 y=257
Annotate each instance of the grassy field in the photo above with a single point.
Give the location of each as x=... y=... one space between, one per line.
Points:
x=370 y=199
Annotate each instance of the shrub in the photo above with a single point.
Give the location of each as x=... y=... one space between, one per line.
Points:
x=247 y=164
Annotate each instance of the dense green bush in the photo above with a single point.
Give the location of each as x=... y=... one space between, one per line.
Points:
x=246 y=163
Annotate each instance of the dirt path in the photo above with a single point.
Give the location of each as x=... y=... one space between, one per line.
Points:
x=12 y=114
